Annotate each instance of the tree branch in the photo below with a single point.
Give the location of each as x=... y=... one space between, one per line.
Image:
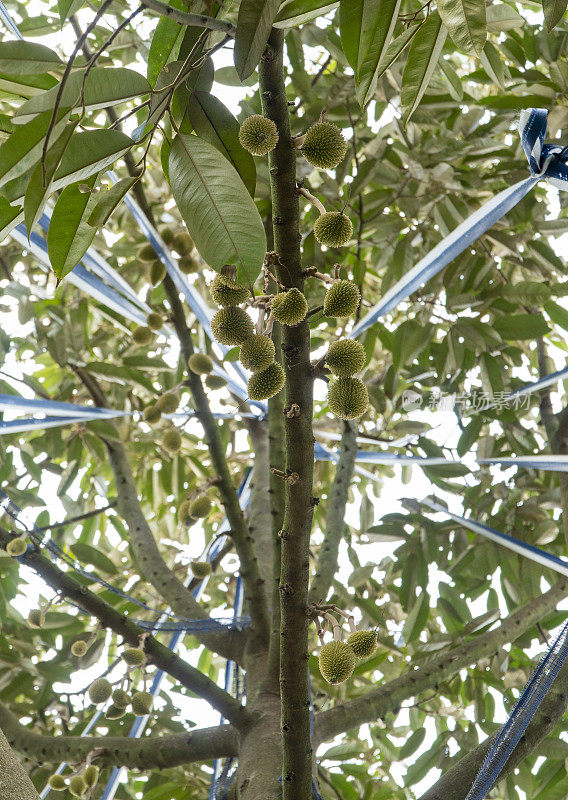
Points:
x=14 y=781
x=335 y=522
x=378 y=702
x=195 y=20
x=299 y=441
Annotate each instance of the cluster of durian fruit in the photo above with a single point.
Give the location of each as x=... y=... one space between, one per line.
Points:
x=337 y=659
x=167 y=403
x=101 y=690
x=79 y=785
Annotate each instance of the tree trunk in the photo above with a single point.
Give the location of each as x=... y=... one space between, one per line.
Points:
x=14 y=781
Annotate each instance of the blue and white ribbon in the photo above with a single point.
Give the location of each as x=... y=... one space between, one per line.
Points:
x=545 y=161
x=547 y=463
x=8 y=21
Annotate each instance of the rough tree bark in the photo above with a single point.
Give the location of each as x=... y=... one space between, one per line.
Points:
x=14 y=781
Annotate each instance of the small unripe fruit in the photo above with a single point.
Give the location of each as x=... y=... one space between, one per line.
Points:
x=188 y=265
x=77 y=786
x=142 y=703
x=152 y=415
x=115 y=712
x=200 y=363
x=167 y=235
x=142 y=335
x=120 y=698
x=57 y=783
x=289 y=308
x=342 y=299
x=36 y=618
x=171 y=440
x=100 y=691
x=336 y=662
x=184 y=514
x=79 y=648
x=133 y=656
x=168 y=402
x=267 y=383
x=16 y=547
x=91 y=775
x=363 y=643
x=200 y=507
x=215 y=382
x=257 y=353
x=333 y=229
x=226 y=292
x=157 y=273
x=324 y=146
x=201 y=569
x=347 y=398
x=154 y=320
x=232 y=326
x=258 y=135
x=345 y=357
x=146 y=253
x=182 y=243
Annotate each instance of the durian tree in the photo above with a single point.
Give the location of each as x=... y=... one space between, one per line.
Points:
x=296 y=159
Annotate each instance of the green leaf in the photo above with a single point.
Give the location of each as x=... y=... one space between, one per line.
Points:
x=103 y=87
x=296 y=12
x=395 y=48
x=24 y=147
x=69 y=235
x=212 y=121
x=90 y=152
x=417 y=619
x=108 y=201
x=493 y=64
x=412 y=743
x=503 y=17
x=253 y=29
x=521 y=326
x=88 y=554
x=553 y=12
x=423 y=56
x=67 y=8
x=466 y=23
x=166 y=40
x=219 y=212
x=228 y=76
x=557 y=314
x=27 y=58
x=10 y=216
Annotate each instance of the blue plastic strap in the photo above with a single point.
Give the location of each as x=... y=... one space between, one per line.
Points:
x=545 y=161
x=8 y=21
x=54 y=408
x=547 y=463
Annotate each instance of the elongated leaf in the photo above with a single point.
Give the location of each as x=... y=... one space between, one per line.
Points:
x=379 y=38
x=395 y=48
x=423 y=56
x=25 y=86
x=493 y=64
x=297 y=12
x=68 y=7
x=103 y=87
x=166 y=41
x=24 y=147
x=553 y=12
x=108 y=201
x=92 y=555
x=521 y=326
x=466 y=22
x=90 y=152
x=70 y=235
x=351 y=28
x=27 y=58
x=253 y=29
x=216 y=207
x=211 y=120
x=10 y=216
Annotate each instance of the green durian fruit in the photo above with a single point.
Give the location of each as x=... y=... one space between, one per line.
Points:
x=142 y=335
x=142 y=703
x=184 y=514
x=154 y=321
x=16 y=547
x=257 y=353
x=232 y=325
x=36 y=618
x=57 y=783
x=265 y=384
x=342 y=299
x=171 y=440
x=345 y=357
x=201 y=569
x=146 y=253
x=336 y=662
x=115 y=712
x=258 y=135
x=152 y=415
x=347 y=398
x=100 y=690
x=290 y=307
x=168 y=402
x=133 y=656
x=226 y=292
x=157 y=273
x=200 y=507
x=79 y=648
x=120 y=698
x=333 y=229
x=363 y=643
x=200 y=363
x=215 y=382
x=91 y=775
x=182 y=243
x=324 y=146
x=77 y=786
x=167 y=235
x=188 y=265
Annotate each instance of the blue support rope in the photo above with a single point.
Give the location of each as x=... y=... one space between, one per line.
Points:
x=8 y=21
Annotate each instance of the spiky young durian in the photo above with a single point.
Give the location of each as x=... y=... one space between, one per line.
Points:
x=290 y=307
x=347 y=398
x=36 y=618
x=157 y=273
x=257 y=353
x=264 y=385
x=188 y=265
x=171 y=440
x=142 y=703
x=100 y=690
x=258 y=135
x=363 y=643
x=120 y=698
x=324 y=146
x=152 y=414
x=200 y=363
x=342 y=299
x=232 y=325
x=226 y=292
x=16 y=547
x=79 y=648
x=200 y=507
x=184 y=514
x=133 y=656
x=333 y=229
x=345 y=357
x=154 y=321
x=182 y=243
x=143 y=335
x=215 y=382
x=57 y=783
x=201 y=569
x=146 y=253
x=168 y=402
x=336 y=661
x=77 y=786
x=167 y=235
x=115 y=712
x=91 y=775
